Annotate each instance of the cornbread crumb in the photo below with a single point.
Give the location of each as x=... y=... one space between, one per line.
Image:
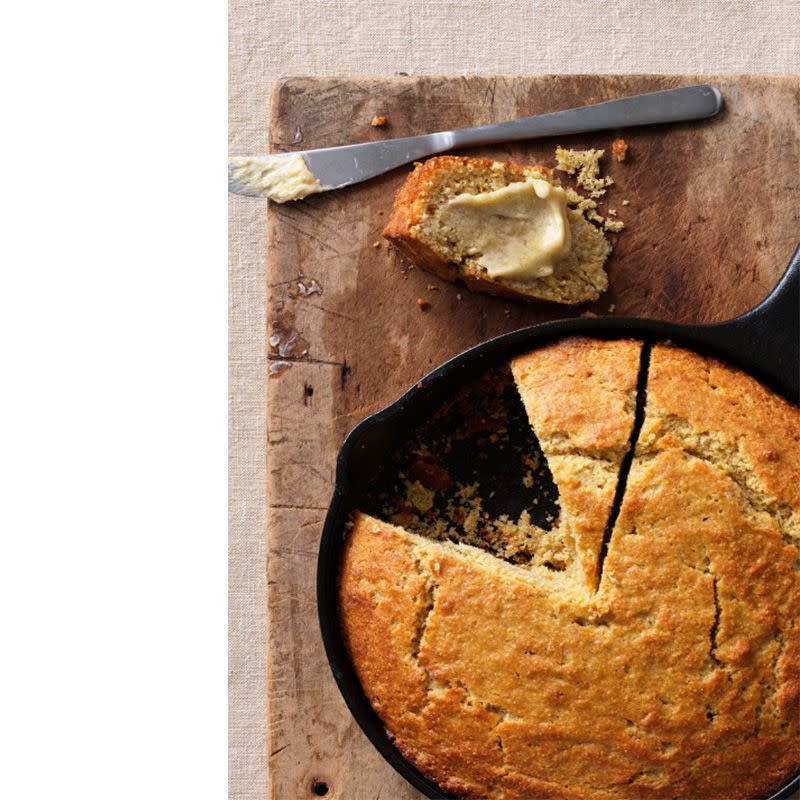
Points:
x=459 y=296
x=614 y=225
x=619 y=149
x=379 y=122
x=527 y=479
x=583 y=204
x=376 y=244
x=423 y=304
x=626 y=202
x=419 y=496
x=587 y=164
x=588 y=208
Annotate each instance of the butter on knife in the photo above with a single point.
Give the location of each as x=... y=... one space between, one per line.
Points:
x=281 y=177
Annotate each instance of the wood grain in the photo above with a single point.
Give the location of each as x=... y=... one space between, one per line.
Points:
x=714 y=215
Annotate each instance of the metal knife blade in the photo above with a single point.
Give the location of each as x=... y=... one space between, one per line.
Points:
x=291 y=176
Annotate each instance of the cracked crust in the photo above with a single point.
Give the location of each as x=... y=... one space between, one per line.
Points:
x=723 y=415
x=413 y=228
x=678 y=678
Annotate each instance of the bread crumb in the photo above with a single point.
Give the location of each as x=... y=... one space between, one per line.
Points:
x=619 y=149
x=588 y=207
x=585 y=205
x=573 y=198
x=432 y=287
x=377 y=244
x=459 y=296
x=612 y=308
x=527 y=479
x=379 y=122
x=626 y=202
x=587 y=164
x=419 y=496
x=423 y=304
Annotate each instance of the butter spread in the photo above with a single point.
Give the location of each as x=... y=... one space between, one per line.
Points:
x=520 y=231
x=280 y=177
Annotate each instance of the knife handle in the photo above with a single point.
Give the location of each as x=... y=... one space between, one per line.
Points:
x=671 y=105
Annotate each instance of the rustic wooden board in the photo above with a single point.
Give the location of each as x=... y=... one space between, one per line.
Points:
x=714 y=215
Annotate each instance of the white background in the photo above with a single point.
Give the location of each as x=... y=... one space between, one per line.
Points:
x=113 y=336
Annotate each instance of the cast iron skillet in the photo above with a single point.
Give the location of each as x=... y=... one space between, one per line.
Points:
x=764 y=342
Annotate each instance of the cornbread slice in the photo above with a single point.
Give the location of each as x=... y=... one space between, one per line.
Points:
x=416 y=229
x=678 y=676
x=580 y=396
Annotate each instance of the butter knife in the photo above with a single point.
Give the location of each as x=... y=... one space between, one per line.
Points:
x=291 y=176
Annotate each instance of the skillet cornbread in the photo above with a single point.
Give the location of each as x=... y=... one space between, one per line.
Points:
x=664 y=661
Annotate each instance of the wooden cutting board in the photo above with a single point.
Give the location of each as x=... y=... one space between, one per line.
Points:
x=713 y=216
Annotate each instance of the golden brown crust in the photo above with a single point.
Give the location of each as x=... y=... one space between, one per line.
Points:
x=703 y=404
x=584 y=283
x=581 y=392
x=382 y=598
x=385 y=602
x=580 y=396
x=677 y=678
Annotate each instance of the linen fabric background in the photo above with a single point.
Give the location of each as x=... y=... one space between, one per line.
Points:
x=269 y=39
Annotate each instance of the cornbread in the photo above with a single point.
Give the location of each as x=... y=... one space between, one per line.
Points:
x=424 y=227
x=580 y=397
x=587 y=164
x=664 y=661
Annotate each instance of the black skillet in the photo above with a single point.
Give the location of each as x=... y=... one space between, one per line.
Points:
x=764 y=342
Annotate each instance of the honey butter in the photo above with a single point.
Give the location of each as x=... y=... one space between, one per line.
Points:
x=281 y=178
x=520 y=231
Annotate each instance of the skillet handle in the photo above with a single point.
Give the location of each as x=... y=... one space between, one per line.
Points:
x=768 y=336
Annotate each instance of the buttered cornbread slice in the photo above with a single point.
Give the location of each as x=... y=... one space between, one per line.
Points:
x=675 y=676
x=502 y=228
